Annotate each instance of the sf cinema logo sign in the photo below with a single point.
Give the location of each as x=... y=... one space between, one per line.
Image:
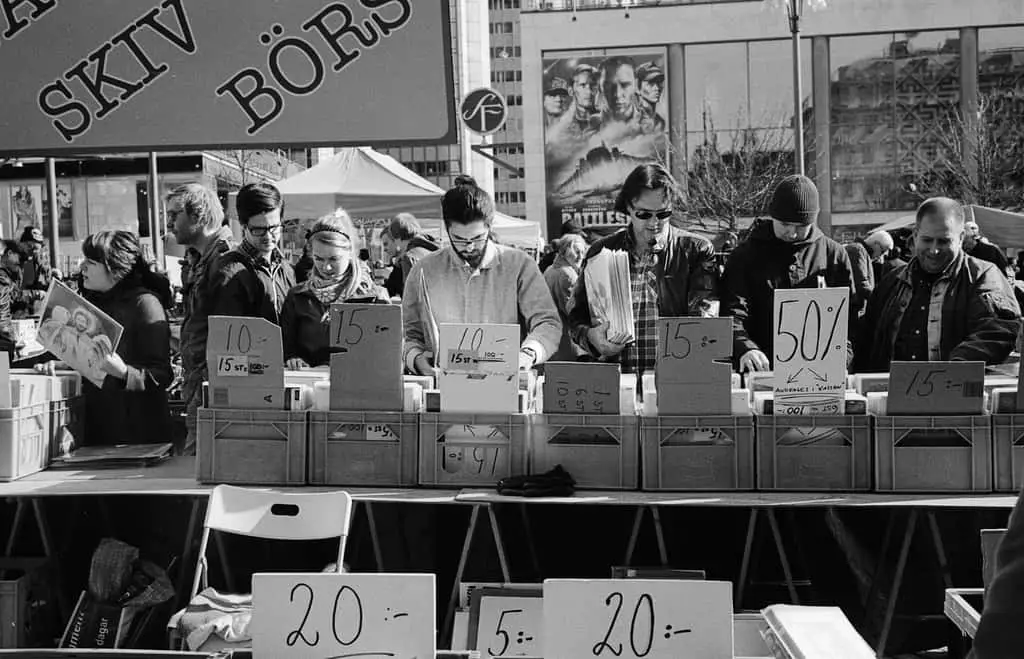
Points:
x=484 y=111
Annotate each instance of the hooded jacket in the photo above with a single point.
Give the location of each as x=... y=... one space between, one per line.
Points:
x=763 y=264
x=419 y=246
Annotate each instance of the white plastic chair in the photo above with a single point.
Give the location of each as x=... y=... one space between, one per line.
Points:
x=274 y=516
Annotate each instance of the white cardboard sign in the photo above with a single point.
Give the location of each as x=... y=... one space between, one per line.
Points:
x=510 y=626
x=316 y=616
x=810 y=330
x=479 y=368
x=637 y=619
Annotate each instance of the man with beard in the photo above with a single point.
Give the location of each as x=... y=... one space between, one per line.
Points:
x=618 y=82
x=944 y=305
x=652 y=83
x=475 y=280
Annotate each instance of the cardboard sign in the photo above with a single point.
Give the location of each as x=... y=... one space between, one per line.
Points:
x=931 y=388
x=637 y=619
x=810 y=330
x=581 y=388
x=479 y=367
x=693 y=373
x=366 y=367
x=343 y=615
x=246 y=363
x=506 y=624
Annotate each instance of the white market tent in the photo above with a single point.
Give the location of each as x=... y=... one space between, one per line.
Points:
x=1004 y=228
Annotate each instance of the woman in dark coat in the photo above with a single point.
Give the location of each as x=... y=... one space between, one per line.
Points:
x=337 y=276
x=131 y=406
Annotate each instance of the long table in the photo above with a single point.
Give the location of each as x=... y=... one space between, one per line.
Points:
x=176 y=477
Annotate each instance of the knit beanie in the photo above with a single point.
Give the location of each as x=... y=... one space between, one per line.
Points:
x=795 y=200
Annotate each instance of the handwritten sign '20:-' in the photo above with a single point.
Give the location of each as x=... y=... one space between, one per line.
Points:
x=320 y=616
x=810 y=332
x=637 y=619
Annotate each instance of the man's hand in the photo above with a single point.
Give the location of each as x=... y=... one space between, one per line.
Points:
x=754 y=360
x=112 y=364
x=423 y=366
x=527 y=360
x=295 y=364
x=598 y=337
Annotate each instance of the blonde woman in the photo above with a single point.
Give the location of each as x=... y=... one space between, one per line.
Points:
x=337 y=276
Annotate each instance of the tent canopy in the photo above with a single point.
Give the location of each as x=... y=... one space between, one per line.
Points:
x=1004 y=228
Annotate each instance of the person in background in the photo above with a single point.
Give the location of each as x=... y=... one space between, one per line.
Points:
x=569 y=228
x=788 y=252
x=196 y=219
x=671 y=272
x=131 y=406
x=474 y=280
x=561 y=278
x=980 y=247
x=253 y=279
x=10 y=293
x=409 y=244
x=336 y=277
x=879 y=245
x=394 y=283
x=36 y=272
x=305 y=263
x=944 y=305
x=863 y=275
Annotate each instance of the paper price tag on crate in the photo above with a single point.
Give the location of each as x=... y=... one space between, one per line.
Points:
x=343 y=615
x=693 y=372
x=581 y=388
x=479 y=368
x=634 y=619
x=506 y=623
x=810 y=329
x=936 y=388
x=366 y=363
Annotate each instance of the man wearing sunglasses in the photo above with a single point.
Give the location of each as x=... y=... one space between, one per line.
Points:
x=672 y=272
x=253 y=279
x=475 y=280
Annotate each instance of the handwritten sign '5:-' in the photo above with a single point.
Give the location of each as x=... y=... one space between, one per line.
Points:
x=810 y=333
x=637 y=619
x=323 y=615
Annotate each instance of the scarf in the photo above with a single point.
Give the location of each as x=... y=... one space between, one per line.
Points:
x=356 y=282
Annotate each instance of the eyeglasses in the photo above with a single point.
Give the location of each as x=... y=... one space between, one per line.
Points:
x=642 y=214
x=259 y=232
x=461 y=242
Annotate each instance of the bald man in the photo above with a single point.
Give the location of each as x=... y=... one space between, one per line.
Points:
x=980 y=247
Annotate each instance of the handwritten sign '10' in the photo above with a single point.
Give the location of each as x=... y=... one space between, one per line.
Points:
x=244 y=352
x=637 y=619
x=343 y=615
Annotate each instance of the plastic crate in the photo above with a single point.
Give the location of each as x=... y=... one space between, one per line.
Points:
x=814 y=453
x=698 y=452
x=363 y=448
x=601 y=451
x=933 y=453
x=24 y=440
x=25 y=603
x=67 y=414
x=1008 y=448
x=251 y=447
x=471 y=450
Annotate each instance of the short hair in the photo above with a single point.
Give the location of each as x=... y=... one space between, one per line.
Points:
x=651 y=176
x=334 y=230
x=200 y=202
x=941 y=207
x=467 y=202
x=564 y=244
x=255 y=199
x=404 y=226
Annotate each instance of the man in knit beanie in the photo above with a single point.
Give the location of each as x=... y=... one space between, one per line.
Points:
x=787 y=252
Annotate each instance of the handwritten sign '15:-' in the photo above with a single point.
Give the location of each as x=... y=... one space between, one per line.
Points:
x=479 y=368
x=810 y=332
x=637 y=619
x=693 y=372
x=343 y=615
x=936 y=388
x=366 y=364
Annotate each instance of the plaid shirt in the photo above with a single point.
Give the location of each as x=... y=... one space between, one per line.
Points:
x=641 y=355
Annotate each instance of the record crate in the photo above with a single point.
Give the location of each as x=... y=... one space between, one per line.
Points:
x=471 y=450
x=933 y=453
x=827 y=453
x=1008 y=449
x=600 y=451
x=251 y=447
x=363 y=448
x=697 y=452
x=24 y=440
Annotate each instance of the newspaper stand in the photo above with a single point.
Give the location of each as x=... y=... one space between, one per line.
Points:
x=698 y=452
x=814 y=453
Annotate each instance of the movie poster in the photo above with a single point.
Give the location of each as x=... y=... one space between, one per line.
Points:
x=605 y=112
x=29 y=209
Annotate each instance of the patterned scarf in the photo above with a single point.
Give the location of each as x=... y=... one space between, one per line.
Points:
x=356 y=282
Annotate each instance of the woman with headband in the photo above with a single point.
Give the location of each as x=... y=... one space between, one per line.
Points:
x=337 y=276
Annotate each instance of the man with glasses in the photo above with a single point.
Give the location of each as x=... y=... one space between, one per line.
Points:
x=788 y=252
x=671 y=271
x=475 y=280
x=253 y=279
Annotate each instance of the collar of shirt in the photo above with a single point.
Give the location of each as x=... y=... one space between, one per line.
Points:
x=631 y=244
x=914 y=269
x=275 y=256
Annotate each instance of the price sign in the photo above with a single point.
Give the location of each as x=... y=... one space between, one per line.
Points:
x=475 y=450
x=581 y=388
x=342 y=615
x=479 y=368
x=366 y=359
x=936 y=388
x=246 y=363
x=506 y=626
x=693 y=372
x=810 y=331
x=637 y=619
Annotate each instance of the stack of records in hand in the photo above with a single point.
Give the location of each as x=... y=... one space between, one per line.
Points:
x=610 y=294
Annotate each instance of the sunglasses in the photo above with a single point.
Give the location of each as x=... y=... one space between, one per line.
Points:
x=259 y=232
x=648 y=215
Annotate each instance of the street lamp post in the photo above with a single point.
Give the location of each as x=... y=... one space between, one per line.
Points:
x=794 y=8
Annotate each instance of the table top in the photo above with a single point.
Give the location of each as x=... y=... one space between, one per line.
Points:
x=176 y=477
